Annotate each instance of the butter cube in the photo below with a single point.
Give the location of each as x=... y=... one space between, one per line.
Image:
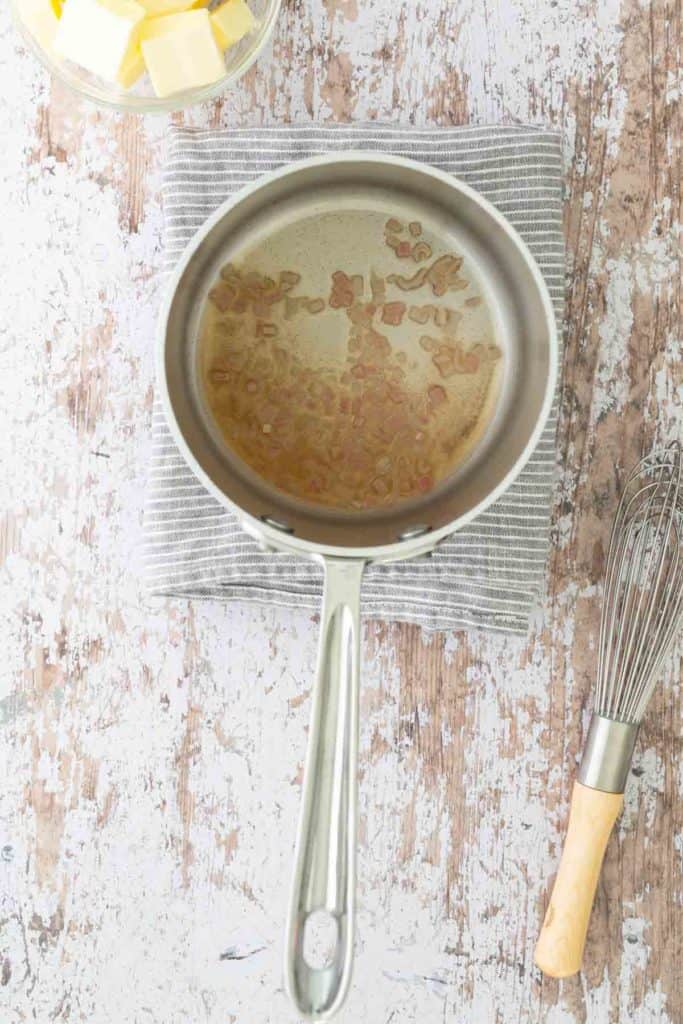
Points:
x=231 y=22
x=180 y=52
x=98 y=34
x=41 y=18
x=133 y=67
x=183 y=21
x=157 y=8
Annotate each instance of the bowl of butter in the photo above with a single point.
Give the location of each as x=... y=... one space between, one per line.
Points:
x=147 y=55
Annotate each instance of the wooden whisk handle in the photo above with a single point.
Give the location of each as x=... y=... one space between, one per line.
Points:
x=559 y=950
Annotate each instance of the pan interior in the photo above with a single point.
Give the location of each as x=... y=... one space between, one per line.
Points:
x=511 y=314
x=347 y=356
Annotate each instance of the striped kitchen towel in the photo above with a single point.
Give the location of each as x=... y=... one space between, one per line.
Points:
x=490 y=573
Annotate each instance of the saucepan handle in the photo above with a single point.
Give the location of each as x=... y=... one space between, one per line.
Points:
x=325 y=866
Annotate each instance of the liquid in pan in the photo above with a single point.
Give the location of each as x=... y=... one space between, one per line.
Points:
x=350 y=358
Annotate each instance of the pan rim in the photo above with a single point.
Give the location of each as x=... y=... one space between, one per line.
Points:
x=399 y=549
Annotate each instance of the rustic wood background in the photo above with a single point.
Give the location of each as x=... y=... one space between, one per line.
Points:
x=152 y=752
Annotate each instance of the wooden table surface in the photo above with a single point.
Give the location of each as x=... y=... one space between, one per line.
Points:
x=152 y=752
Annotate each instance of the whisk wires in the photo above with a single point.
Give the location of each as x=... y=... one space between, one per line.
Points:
x=643 y=600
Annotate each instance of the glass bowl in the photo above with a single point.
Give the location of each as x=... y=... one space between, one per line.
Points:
x=141 y=99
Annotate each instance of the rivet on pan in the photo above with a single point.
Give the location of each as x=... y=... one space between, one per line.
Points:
x=277 y=524
x=414 y=531
x=269 y=549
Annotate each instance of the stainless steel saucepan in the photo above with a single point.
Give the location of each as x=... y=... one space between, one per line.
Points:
x=324 y=876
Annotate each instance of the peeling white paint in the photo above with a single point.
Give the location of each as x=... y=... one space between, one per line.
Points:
x=615 y=331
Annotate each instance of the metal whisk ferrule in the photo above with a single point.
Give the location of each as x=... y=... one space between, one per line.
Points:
x=607 y=754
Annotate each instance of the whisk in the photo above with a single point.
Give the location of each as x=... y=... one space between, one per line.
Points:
x=642 y=610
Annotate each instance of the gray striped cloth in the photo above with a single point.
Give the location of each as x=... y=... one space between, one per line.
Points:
x=490 y=573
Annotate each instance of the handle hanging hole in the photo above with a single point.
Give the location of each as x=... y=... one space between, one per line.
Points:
x=321 y=937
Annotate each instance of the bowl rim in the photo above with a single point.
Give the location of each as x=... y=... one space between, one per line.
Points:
x=262 y=530
x=132 y=104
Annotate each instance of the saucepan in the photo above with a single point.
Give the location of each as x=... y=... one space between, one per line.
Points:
x=346 y=542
